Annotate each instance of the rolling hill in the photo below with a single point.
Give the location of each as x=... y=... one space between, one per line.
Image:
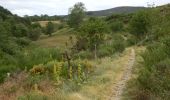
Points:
x=117 y=10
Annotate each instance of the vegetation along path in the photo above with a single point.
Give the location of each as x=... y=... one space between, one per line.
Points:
x=118 y=87
x=109 y=78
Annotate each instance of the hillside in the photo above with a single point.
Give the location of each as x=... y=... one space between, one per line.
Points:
x=115 y=54
x=117 y=10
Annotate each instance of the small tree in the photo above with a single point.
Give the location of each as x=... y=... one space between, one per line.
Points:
x=50 y=28
x=93 y=31
x=76 y=15
x=34 y=33
x=139 y=24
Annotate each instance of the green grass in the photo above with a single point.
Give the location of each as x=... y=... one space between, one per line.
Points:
x=131 y=86
x=57 y=40
x=99 y=86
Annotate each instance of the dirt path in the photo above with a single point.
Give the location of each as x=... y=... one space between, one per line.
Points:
x=118 y=87
x=109 y=78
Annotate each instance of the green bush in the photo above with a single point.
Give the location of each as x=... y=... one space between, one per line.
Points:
x=116 y=26
x=105 y=50
x=140 y=24
x=132 y=40
x=23 y=41
x=34 y=34
x=155 y=75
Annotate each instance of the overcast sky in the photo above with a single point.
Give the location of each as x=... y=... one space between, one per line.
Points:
x=60 y=7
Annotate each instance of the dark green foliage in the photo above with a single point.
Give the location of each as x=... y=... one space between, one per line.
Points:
x=76 y=15
x=93 y=31
x=49 y=28
x=116 y=26
x=140 y=23
x=155 y=75
x=20 y=30
x=132 y=40
x=43 y=18
x=23 y=41
x=34 y=33
x=112 y=47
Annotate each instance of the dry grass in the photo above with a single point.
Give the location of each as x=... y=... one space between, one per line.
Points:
x=108 y=72
x=44 y=23
x=131 y=86
x=58 y=41
x=12 y=87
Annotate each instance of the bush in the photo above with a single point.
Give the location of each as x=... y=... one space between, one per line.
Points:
x=116 y=26
x=105 y=50
x=23 y=41
x=155 y=75
x=140 y=24
x=34 y=34
x=132 y=40
x=78 y=71
x=38 y=69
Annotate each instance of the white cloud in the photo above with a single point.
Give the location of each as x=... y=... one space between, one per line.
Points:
x=22 y=12
x=60 y=7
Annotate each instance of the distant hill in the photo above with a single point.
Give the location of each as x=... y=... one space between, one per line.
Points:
x=117 y=10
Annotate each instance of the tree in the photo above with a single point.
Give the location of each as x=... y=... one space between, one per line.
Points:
x=139 y=24
x=76 y=15
x=34 y=33
x=50 y=28
x=93 y=31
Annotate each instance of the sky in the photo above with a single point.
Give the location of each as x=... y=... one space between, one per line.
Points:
x=60 y=7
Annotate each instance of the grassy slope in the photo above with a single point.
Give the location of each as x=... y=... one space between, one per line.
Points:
x=58 y=39
x=44 y=23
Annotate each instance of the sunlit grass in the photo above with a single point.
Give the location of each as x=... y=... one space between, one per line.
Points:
x=100 y=85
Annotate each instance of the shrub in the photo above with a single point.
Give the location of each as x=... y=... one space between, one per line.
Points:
x=105 y=50
x=155 y=74
x=116 y=26
x=23 y=41
x=34 y=34
x=140 y=24
x=132 y=40
x=37 y=69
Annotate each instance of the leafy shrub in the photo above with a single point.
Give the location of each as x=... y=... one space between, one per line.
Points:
x=34 y=34
x=20 y=30
x=37 y=69
x=132 y=40
x=139 y=24
x=105 y=50
x=23 y=42
x=78 y=71
x=116 y=26
x=155 y=75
